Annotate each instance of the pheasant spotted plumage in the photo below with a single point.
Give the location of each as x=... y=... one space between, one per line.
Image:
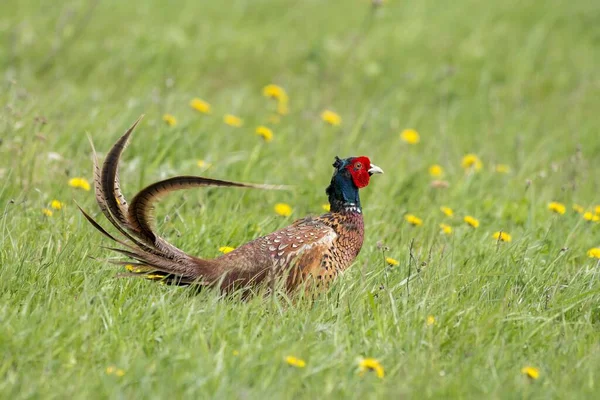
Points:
x=311 y=250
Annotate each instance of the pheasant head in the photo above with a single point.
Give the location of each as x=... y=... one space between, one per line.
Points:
x=350 y=175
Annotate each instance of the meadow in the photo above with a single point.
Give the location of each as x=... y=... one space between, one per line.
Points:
x=483 y=115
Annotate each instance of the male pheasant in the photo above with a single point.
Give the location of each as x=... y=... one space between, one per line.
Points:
x=311 y=249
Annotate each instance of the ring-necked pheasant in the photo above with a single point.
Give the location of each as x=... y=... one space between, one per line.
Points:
x=316 y=248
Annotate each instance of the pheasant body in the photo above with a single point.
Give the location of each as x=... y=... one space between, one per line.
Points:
x=312 y=250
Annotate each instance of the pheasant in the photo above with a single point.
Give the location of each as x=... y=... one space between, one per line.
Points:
x=312 y=250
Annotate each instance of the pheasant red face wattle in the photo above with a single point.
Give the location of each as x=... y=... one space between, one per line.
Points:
x=361 y=169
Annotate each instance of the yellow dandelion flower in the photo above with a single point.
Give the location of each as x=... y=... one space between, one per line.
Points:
x=274 y=119
x=370 y=364
x=200 y=106
x=447 y=229
x=410 y=136
x=295 y=362
x=430 y=320
x=594 y=252
x=235 y=353
x=557 y=207
x=331 y=118
x=391 y=261
x=283 y=209
x=57 y=205
x=137 y=269
x=265 y=133
x=471 y=162
x=471 y=221
x=80 y=183
x=274 y=92
x=436 y=171
x=226 y=249
x=590 y=216
x=448 y=212
x=531 y=372
x=112 y=370
x=502 y=168
x=578 y=209
x=413 y=220
x=47 y=212
x=232 y=120
x=597 y=209
x=203 y=164
x=326 y=207
x=502 y=236
x=169 y=119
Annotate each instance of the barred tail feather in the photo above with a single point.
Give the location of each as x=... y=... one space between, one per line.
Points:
x=102 y=201
x=143 y=202
x=156 y=258
x=109 y=179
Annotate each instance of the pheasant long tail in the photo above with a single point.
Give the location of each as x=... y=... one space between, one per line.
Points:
x=155 y=257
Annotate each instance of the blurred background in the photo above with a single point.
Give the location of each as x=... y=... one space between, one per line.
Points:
x=504 y=80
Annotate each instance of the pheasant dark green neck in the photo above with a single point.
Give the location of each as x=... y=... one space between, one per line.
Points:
x=343 y=193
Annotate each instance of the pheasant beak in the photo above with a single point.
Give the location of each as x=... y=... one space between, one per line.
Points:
x=375 y=170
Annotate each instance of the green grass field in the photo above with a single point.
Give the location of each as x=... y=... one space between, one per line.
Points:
x=516 y=83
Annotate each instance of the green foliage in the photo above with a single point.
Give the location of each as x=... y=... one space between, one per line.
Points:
x=513 y=82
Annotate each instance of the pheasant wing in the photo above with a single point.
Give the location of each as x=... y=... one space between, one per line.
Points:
x=303 y=249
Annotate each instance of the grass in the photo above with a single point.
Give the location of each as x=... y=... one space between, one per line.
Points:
x=513 y=82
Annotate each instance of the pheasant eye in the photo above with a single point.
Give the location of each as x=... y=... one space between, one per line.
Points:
x=358 y=165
